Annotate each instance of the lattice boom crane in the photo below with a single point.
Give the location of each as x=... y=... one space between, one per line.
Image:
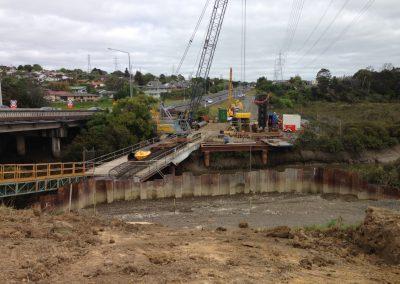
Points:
x=206 y=59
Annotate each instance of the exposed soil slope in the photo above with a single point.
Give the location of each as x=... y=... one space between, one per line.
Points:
x=80 y=248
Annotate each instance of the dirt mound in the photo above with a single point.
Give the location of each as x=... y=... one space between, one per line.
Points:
x=82 y=248
x=280 y=232
x=380 y=234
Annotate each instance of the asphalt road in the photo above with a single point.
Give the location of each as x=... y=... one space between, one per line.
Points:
x=216 y=99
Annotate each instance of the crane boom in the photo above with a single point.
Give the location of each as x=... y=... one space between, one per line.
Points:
x=207 y=55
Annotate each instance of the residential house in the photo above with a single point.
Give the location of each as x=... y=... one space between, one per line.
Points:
x=155 y=88
x=63 y=96
x=97 y=84
x=78 y=89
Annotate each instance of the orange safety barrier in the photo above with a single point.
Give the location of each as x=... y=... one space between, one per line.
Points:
x=33 y=172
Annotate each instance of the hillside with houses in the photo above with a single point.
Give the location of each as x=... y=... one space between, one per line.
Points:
x=34 y=86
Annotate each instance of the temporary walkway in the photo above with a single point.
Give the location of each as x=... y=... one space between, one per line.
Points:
x=142 y=170
x=36 y=178
x=104 y=164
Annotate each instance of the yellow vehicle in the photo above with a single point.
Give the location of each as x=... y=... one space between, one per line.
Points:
x=141 y=155
x=235 y=107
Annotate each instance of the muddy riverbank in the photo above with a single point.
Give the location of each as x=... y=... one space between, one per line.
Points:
x=260 y=210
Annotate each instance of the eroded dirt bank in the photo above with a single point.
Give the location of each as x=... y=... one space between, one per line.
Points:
x=76 y=248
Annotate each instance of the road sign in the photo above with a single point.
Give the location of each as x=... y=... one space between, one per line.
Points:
x=13 y=104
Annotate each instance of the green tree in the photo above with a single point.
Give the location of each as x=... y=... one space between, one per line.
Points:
x=126 y=73
x=26 y=91
x=323 y=79
x=37 y=67
x=139 y=78
x=114 y=83
x=128 y=123
x=163 y=79
x=148 y=77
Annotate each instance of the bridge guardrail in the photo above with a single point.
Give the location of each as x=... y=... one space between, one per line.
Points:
x=28 y=114
x=120 y=153
x=157 y=163
x=14 y=173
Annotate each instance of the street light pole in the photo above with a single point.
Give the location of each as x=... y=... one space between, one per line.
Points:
x=130 y=69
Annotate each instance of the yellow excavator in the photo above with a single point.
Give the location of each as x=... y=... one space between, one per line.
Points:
x=235 y=106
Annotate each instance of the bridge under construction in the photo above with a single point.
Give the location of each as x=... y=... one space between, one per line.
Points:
x=22 y=179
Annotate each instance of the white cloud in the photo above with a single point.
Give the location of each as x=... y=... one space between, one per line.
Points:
x=61 y=33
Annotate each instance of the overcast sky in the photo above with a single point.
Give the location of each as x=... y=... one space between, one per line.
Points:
x=61 y=33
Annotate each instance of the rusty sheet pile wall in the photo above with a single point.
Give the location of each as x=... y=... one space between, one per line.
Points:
x=334 y=181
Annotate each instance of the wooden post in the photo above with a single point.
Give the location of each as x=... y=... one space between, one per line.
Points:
x=70 y=198
x=207 y=159
x=265 y=157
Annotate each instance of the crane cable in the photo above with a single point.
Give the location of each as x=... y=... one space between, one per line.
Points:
x=199 y=21
x=244 y=40
x=362 y=11
x=325 y=31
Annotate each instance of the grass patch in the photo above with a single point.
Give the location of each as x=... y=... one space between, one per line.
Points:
x=336 y=127
x=334 y=113
x=332 y=224
x=103 y=103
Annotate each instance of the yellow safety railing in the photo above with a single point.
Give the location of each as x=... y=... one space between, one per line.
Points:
x=33 y=172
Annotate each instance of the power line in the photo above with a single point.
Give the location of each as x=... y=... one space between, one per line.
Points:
x=294 y=17
x=325 y=31
x=317 y=26
x=296 y=24
x=362 y=11
x=291 y=29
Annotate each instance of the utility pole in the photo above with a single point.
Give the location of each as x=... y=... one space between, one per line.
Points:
x=116 y=64
x=129 y=67
x=280 y=66
x=230 y=90
x=1 y=95
x=89 y=64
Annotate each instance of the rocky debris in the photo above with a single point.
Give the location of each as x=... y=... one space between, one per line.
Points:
x=305 y=263
x=221 y=229
x=160 y=258
x=380 y=234
x=282 y=232
x=317 y=261
x=243 y=225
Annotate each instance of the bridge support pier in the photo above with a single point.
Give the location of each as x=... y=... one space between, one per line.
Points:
x=207 y=159
x=264 y=157
x=172 y=169
x=21 y=147
x=56 y=147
